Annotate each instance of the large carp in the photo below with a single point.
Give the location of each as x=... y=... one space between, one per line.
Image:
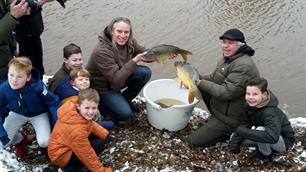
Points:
x=162 y=53
x=187 y=75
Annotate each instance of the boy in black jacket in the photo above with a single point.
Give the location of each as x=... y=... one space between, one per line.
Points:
x=272 y=131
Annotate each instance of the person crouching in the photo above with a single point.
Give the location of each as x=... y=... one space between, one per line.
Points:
x=70 y=146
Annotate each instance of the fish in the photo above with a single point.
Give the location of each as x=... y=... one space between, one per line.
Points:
x=187 y=75
x=162 y=53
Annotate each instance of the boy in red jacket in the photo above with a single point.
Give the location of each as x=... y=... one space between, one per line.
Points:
x=69 y=145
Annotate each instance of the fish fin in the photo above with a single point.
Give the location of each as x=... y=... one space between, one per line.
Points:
x=191 y=97
x=185 y=57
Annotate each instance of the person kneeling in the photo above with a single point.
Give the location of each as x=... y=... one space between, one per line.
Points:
x=28 y=100
x=272 y=131
x=70 y=146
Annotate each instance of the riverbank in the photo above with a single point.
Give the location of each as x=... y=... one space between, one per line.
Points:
x=137 y=146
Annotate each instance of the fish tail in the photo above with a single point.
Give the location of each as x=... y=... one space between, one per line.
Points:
x=190 y=98
x=194 y=92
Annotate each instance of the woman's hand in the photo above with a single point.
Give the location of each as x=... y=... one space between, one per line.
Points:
x=141 y=57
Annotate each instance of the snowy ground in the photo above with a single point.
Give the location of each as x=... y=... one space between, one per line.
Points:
x=137 y=146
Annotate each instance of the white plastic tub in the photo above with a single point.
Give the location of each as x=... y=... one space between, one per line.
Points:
x=173 y=118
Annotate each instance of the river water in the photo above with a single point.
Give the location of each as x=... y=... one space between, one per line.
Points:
x=276 y=29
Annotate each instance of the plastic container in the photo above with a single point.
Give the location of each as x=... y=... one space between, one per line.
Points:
x=173 y=118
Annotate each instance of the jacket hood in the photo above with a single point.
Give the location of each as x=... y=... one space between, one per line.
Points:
x=245 y=49
x=105 y=36
x=68 y=113
x=273 y=100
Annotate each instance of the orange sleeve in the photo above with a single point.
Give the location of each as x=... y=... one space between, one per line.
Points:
x=99 y=131
x=82 y=149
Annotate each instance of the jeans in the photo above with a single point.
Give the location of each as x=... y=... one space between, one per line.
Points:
x=31 y=47
x=266 y=148
x=40 y=124
x=117 y=104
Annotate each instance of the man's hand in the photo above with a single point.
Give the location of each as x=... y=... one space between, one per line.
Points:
x=20 y=9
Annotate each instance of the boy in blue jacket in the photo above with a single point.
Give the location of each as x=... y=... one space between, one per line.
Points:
x=28 y=100
x=272 y=131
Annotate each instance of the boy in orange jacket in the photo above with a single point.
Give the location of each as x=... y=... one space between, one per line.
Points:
x=69 y=146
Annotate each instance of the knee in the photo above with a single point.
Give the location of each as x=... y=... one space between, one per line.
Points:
x=122 y=114
x=126 y=115
x=144 y=71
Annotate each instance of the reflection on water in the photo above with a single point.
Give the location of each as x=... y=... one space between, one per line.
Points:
x=276 y=29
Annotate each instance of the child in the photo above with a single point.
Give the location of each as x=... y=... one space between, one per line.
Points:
x=273 y=130
x=28 y=100
x=69 y=145
x=79 y=79
x=73 y=59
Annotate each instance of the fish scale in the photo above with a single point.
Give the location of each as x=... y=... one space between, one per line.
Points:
x=162 y=53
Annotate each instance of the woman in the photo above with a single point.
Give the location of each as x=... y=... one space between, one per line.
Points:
x=113 y=67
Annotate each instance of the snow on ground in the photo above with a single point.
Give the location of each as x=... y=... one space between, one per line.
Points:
x=9 y=162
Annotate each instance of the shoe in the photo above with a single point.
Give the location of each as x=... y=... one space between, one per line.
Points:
x=263 y=157
x=109 y=125
x=135 y=108
x=42 y=151
x=21 y=148
x=257 y=154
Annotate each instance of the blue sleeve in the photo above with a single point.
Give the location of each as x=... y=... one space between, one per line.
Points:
x=65 y=89
x=52 y=101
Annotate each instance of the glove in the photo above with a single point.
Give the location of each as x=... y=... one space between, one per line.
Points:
x=234 y=145
x=234 y=148
x=4 y=140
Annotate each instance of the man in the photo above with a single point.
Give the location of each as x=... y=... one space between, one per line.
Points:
x=28 y=35
x=223 y=90
x=8 y=21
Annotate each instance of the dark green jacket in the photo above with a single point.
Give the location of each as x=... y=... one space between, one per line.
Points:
x=269 y=116
x=225 y=86
x=7 y=41
x=58 y=77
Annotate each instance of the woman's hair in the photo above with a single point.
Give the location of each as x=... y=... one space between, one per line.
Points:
x=261 y=83
x=88 y=94
x=74 y=73
x=110 y=29
x=22 y=64
x=71 y=49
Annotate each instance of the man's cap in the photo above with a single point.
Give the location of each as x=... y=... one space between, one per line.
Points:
x=234 y=35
